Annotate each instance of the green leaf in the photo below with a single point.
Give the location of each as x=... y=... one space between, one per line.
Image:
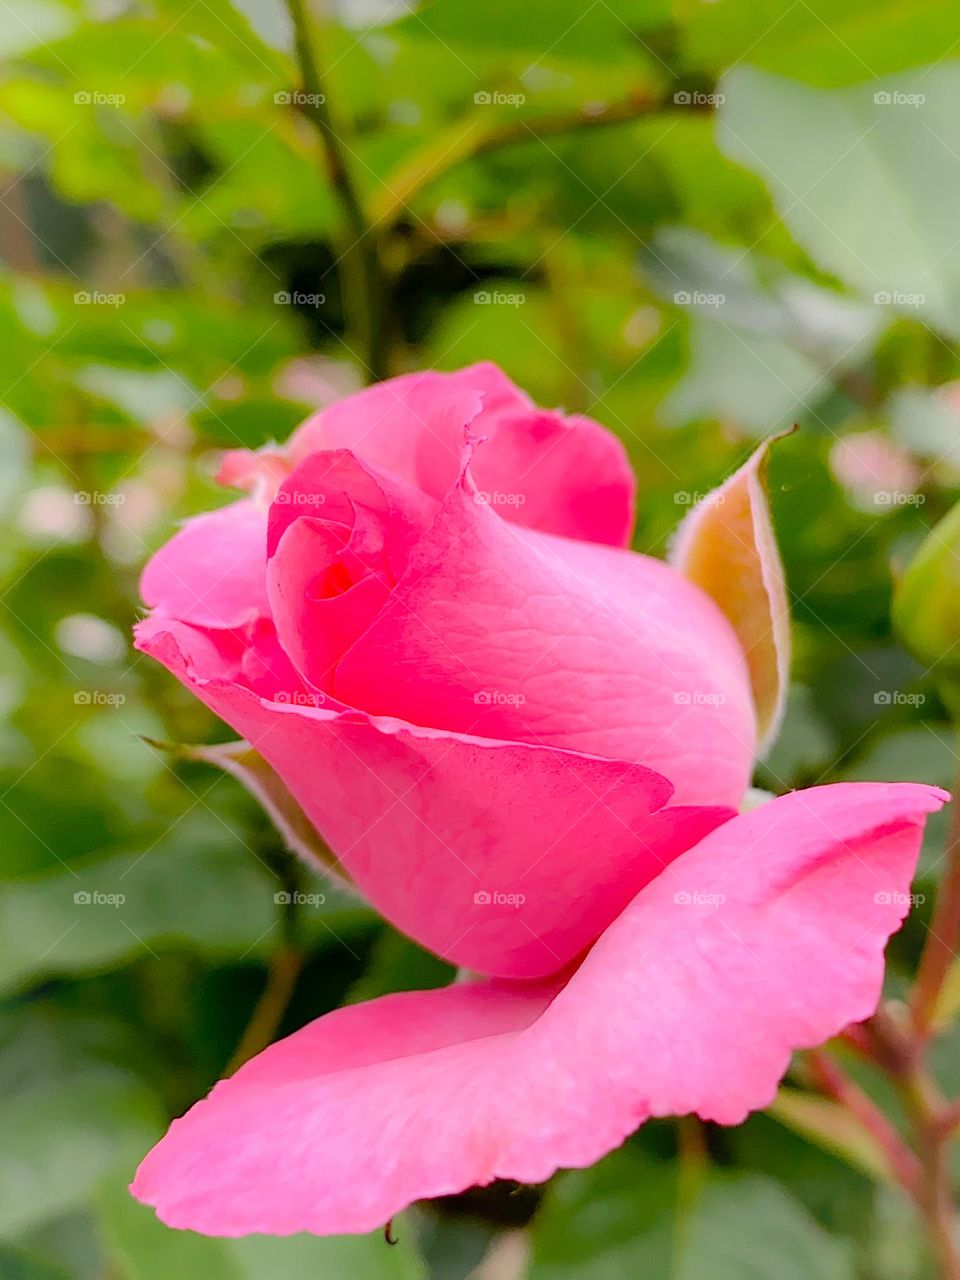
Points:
x=68 y=1114
x=865 y=178
x=824 y=44
x=147 y=1250
x=625 y=1217
x=747 y=1228
x=241 y=761
x=926 y=600
x=561 y=27
x=213 y=898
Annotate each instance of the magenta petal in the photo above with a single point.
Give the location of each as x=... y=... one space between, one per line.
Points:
x=513 y=634
x=766 y=938
x=212 y=572
x=542 y=469
x=502 y=857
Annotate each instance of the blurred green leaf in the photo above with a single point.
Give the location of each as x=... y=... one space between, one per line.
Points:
x=69 y=1118
x=211 y=898
x=865 y=178
x=144 y=1249
x=623 y=1218
x=823 y=44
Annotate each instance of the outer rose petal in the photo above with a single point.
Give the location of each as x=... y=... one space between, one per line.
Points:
x=211 y=573
x=508 y=633
x=544 y=470
x=766 y=938
x=505 y=858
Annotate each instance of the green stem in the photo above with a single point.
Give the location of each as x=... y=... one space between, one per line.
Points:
x=285 y=966
x=478 y=134
x=361 y=274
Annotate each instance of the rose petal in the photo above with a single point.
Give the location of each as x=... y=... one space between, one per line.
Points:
x=514 y=634
x=766 y=938
x=542 y=469
x=212 y=572
x=726 y=546
x=505 y=858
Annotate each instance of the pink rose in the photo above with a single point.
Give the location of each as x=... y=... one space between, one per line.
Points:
x=526 y=746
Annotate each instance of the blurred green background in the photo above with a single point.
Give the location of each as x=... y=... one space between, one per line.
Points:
x=697 y=222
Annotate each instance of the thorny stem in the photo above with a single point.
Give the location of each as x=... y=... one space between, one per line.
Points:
x=898 y=1049
x=935 y=1196
x=362 y=276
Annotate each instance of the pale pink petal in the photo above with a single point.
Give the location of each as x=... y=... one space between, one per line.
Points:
x=212 y=572
x=726 y=546
x=509 y=633
x=505 y=858
x=541 y=469
x=766 y=938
